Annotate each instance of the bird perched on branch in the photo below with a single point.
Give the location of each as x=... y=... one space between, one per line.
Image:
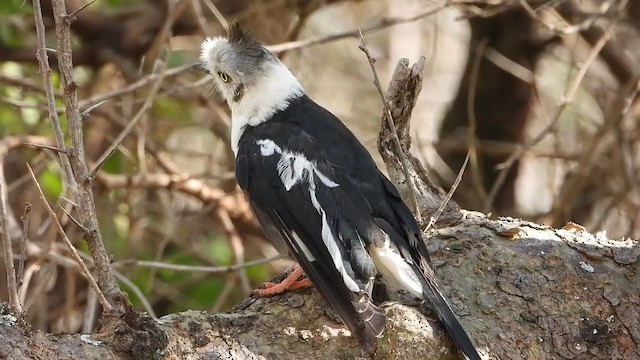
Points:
x=317 y=192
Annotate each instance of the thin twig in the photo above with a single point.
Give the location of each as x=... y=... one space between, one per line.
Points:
x=48 y=147
x=90 y=312
x=212 y=7
x=379 y=25
x=471 y=114
x=569 y=29
x=43 y=60
x=196 y=268
x=26 y=215
x=236 y=245
x=74 y=253
x=174 y=10
x=28 y=275
x=223 y=296
x=145 y=81
x=202 y=21
x=77 y=179
x=392 y=126
x=75 y=12
x=136 y=290
x=24 y=84
x=86 y=112
x=452 y=191
x=73 y=220
x=592 y=153
x=141 y=112
x=12 y=284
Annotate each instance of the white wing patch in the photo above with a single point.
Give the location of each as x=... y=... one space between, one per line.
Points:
x=294 y=169
x=268 y=147
x=394 y=269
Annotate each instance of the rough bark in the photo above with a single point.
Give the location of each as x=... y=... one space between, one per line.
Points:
x=401 y=96
x=522 y=291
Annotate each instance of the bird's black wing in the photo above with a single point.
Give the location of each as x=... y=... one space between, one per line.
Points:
x=363 y=210
x=322 y=220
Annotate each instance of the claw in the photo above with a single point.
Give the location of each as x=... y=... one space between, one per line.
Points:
x=290 y=283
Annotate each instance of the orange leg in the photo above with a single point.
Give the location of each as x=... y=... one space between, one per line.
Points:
x=289 y=283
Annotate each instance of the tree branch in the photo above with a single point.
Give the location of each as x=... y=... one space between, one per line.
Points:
x=77 y=177
x=402 y=95
x=521 y=290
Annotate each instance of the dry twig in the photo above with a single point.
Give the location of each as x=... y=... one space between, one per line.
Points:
x=379 y=25
x=236 y=245
x=74 y=253
x=195 y=268
x=26 y=215
x=392 y=126
x=141 y=112
x=473 y=124
x=452 y=191
x=77 y=177
x=12 y=284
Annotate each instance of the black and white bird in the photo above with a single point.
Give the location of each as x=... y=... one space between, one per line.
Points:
x=317 y=192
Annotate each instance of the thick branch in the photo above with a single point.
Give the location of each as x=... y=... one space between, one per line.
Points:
x=402 y=95
x=522 y=291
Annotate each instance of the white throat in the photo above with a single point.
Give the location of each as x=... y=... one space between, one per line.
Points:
x=270 y=94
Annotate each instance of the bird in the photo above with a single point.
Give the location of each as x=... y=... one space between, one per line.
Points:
x=317 y=192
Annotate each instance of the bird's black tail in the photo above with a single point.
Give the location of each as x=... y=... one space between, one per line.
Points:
x=449 y=320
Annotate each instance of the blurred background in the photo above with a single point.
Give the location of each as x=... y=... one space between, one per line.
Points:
x=542 y=94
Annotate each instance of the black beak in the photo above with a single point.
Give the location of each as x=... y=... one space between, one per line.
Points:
x=200 y=66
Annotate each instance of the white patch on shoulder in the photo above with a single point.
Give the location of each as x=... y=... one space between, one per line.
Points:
x=268 y=147
x=394 y=269
x=295 y=169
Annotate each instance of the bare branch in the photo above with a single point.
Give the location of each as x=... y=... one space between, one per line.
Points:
x=86 y=112
x=94 y=285
x=217 y=14
x=237 y=246
x=75 y=12
x=145 y=81
x=387 y=115
x=48 y=147
x=43 y=60
x=379 y=25
x=136 y=290
x=195 y=268
x=141 y=112
x=452 y=191
x=12 y=284
x=26 y=215
x=76 y=173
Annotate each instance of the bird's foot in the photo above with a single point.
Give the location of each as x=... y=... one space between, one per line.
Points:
x=290 y=283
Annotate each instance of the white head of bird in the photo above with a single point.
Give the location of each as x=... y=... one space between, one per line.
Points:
x=252 y=80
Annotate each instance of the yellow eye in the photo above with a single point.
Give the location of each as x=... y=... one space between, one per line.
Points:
x=224 y=77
